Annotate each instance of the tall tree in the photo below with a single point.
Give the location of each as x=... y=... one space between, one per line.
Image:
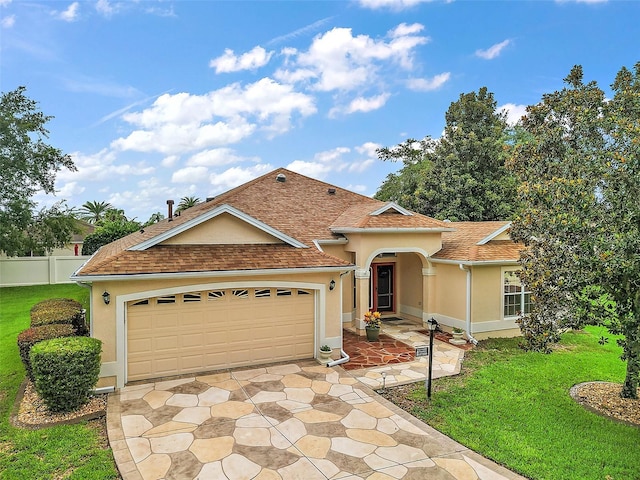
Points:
x=187 y=202
x=579 y=167
x=28 y=165
x=460 y=176
x=94 y=211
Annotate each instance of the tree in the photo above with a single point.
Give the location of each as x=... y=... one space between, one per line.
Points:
x=94 y=211
x=460 y=176
x=28 y=165
x=187 y=202
x=579 y=168
x=154 y=218
x=108 y=231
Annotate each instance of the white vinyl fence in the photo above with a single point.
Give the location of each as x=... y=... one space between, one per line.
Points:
x=20 y=271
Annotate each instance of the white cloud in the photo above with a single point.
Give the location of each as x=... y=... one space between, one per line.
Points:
x=237 y=176
x=8 y=21
x=190 y=175
x=101 y=166
x=106 y=8
x=390 y=4
x=322 y=164
x=69 y=190
x=362 y=104
x=361 y=166
x=337 y=60
x=4 y=3
x=70 y=14
x=514 y=112
x=183 y=122
x=170 y=161
x=300 y=31
x=149 y=195
x=493 y=51
x=357 y=188
x=369 y=149
x=428 y=84
x=229 y=62
x=217 y=157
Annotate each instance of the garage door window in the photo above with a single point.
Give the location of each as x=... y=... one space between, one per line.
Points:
x=263 y=293
x=140 y=302
x=241 y=293
x=284 y=292
x=216 y=295
x=191 y=297
x=167 y=299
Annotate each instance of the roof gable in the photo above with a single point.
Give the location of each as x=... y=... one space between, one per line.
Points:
x=391 y=207
x=172 y=236
x=501 y=233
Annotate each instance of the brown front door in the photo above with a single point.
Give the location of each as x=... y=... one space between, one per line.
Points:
x=384 y=287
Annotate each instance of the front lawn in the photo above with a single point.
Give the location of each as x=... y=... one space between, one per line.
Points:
x=67 y=451
x=514 y=407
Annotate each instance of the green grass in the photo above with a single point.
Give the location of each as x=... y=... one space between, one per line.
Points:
x=68 y=451
x=514 y=407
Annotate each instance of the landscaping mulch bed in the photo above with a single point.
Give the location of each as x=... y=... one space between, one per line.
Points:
x=604 y=399
x=31 y=412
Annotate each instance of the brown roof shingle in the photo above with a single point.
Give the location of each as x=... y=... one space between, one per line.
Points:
x=462 y=244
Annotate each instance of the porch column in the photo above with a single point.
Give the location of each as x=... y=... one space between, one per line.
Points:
x=428 y=292
x=362 y=298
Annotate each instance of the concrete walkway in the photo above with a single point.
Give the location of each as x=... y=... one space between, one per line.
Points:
x=284 y=422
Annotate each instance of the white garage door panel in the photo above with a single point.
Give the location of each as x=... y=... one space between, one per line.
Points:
x=219 y=329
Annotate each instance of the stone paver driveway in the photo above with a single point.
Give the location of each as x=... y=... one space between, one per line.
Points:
x=294 y=421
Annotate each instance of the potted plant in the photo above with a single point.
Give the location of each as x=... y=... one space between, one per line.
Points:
x=325 y=353
x=457 y=334
x=372 y=325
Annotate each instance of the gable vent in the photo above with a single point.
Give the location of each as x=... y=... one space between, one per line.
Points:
x=331 y=191
x=281 y=177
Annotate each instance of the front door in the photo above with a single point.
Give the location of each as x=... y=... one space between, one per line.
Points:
x=383 y=298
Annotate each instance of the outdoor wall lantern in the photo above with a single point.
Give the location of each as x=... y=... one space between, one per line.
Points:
x=432 y=325
x=106 y=296
x=332 y=284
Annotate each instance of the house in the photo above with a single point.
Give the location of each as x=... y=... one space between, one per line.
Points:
x=273 y=269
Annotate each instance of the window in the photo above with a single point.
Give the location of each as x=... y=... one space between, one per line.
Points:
x=283 y=292
x=262 y=293
x=191 y=297
x=140 y=302
x=516 y=297
x=304 y=292
x=241 y=293
x=216 y=295
x=166 y=299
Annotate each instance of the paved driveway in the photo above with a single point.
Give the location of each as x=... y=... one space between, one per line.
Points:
x=293 y=421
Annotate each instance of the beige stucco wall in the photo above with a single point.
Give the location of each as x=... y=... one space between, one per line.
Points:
x=486 y=293
x=104 y=316
x=450 y=292
x=409 y=284
x=224 y=229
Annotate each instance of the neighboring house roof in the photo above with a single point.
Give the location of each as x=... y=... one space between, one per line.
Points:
x=474 y=242
x=85 y=229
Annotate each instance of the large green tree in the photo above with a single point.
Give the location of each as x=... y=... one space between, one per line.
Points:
x=29 y=165
x=460 y=176
x=579 y=167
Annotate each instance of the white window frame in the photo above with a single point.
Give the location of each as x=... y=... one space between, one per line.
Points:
x=523 y=294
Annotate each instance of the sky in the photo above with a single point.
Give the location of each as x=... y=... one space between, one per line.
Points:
x=158 y=100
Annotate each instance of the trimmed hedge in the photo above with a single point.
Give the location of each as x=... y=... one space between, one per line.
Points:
x=59 y=311
x=66 y=371
x=28 y=338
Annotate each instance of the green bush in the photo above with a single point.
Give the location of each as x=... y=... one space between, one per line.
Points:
x=58 y=311
x=28 y=338
x=66 y=371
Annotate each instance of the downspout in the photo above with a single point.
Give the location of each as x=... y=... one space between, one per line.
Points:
x=344 y=358
x=468 y=312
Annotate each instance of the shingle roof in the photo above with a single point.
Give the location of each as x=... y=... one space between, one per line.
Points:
x=300 y=207
x=360 y=216
x=462 y=244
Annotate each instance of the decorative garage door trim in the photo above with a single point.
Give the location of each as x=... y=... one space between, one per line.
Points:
x=319 y=289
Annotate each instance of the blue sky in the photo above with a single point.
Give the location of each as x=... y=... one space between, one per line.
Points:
x=158 y=100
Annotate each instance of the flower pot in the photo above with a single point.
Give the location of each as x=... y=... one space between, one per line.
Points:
x=325 y=355
x=372 y=333
x=458 y=338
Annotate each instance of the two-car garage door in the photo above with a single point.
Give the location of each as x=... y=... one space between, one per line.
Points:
x=214 y=329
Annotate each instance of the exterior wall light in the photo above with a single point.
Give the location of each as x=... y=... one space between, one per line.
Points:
x=332 y=284
x=106 y=296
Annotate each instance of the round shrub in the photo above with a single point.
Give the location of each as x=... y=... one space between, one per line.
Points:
x=28 y=338
x=58 y=311
x=66 y=371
